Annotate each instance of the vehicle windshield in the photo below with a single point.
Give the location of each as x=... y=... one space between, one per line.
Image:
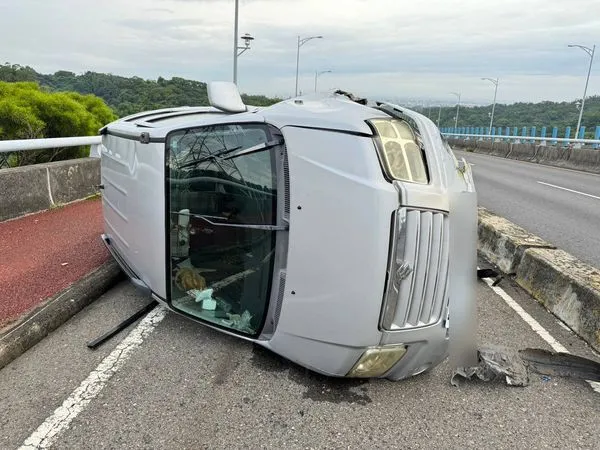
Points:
x=222 y=195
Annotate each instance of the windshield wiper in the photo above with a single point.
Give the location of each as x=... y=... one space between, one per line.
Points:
x=211 y=156
x=256 y=148
x=246 y=151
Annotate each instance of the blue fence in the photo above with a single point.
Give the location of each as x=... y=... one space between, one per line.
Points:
x=523 y=134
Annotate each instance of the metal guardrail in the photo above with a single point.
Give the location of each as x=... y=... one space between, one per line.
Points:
x=19 y=145
x=524 y=139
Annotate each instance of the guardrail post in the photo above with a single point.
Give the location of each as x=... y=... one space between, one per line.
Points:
x=493 y=133
x=507 y=133
x=597 y=136
x=567 y=136
x=95 y=151
x=581 y=132
x=554 y=135
x=524 y=134
x=533 y=134
x=543 y=136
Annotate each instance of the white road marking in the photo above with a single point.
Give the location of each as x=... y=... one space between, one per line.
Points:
x=534 y=324
x=89 y=388
x=570 y=190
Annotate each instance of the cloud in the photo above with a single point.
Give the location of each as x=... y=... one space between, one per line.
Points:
x=375 y=47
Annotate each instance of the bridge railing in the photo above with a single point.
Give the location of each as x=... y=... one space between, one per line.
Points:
x=595 y=143
x=19 y=145
x=526 y=134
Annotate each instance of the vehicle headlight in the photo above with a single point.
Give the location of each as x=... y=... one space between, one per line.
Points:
x=374 y=362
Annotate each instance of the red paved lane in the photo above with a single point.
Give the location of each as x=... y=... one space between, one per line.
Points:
x=44 y=253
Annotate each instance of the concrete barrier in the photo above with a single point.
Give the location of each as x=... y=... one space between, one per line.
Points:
x=566 y=286
x=504 y=243
x=29 y=189
x=583 y=159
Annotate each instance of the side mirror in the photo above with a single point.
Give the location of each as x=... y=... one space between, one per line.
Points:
x=224 y=95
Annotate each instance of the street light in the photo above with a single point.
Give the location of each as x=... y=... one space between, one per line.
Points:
x=590 y=52
x=301 y=42
x=317 y=75
x=457 y=109
x=494 y=104
x=246 y=38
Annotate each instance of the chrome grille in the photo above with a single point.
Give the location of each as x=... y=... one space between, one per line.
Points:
x=416 y=297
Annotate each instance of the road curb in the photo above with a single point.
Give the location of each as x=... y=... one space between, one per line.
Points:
x=34 y=326
x=566 y=286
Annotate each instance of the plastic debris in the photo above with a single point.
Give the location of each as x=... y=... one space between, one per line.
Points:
x=241 y=322
x=515 y=366
x=560 y=364
x=205 y=297
x=494 y=363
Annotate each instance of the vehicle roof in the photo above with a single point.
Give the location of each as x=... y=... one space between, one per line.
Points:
x=328 y=111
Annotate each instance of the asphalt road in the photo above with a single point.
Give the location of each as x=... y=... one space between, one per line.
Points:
x=185 y=386
x=536 y=198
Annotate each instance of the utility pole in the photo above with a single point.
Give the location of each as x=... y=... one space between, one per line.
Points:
x=235 y=40
x=495 y=82
x=457 y=109
x=317 y=75
x=590 y=52
x=301 y=42
x=246 y=38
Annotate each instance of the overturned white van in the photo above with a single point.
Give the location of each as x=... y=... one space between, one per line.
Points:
x=320 y=227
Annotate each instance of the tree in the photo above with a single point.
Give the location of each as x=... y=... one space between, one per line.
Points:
x=27 y=111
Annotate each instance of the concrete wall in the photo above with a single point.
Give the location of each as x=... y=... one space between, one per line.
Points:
x=30 y=189
x=584 y=159
x=567 y=287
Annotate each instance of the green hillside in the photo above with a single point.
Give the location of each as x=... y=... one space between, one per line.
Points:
x=543 y=114
x=124 y=95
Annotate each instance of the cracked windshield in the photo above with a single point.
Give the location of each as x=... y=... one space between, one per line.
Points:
x=222 y=190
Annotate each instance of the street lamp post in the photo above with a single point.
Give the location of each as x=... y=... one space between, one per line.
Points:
x=495 y=82
x=590 y=52
x=317 y=75
x=246 y=38
x=301 y=42
x=457 y=109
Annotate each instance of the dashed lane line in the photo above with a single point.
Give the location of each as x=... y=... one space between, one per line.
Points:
x=569 y=190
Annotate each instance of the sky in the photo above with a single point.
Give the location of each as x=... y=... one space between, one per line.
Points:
x=382 y=49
